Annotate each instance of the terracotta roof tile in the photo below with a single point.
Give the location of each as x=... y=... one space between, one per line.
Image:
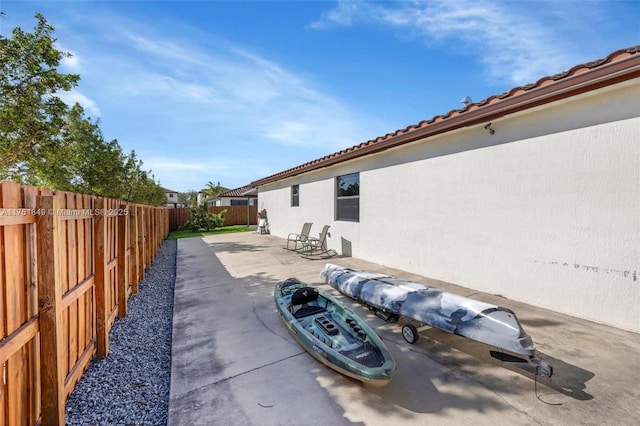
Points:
x=619 y=66
x=238 y=192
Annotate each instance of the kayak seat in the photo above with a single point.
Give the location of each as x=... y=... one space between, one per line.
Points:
x=304 y=295
x=307 y=310
x=308 y=298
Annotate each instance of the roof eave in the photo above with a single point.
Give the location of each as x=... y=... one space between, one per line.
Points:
x=601 y=76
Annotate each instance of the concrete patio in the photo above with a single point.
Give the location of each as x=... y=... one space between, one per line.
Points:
x=235 y=363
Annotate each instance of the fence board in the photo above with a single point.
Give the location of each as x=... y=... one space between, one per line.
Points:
x=61 y=218
x=133 y=249
x=148 y=218
x=84 y=279
x=32 y=370
x=111 y=214
x=14 y=305
x=72 y=280
x=141 y=242
x=123 y=266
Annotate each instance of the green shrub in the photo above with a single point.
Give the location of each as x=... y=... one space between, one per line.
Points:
x=202 y=221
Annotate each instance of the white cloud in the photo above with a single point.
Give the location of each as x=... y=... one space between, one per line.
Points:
x=180 y=173
x=71 y=64
x=229 y=85
x=74 y=96
x=512 y=45
x=343 y=15
x=289 y=132
x=171 y=164
x=161 y=48
x=151 y=84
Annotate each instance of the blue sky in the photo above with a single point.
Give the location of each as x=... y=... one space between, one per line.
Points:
x=234 y=91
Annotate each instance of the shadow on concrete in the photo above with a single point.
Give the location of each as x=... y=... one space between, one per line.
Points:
x=235 y=247
x=568 y=379
x=540 y=322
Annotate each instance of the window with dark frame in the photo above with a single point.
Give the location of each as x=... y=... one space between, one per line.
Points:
x=348 y=197
x=295 y=196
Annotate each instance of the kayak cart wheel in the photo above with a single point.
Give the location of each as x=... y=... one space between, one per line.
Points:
x=410 y=333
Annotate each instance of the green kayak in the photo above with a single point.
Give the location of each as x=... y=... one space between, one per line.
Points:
x=333 y=333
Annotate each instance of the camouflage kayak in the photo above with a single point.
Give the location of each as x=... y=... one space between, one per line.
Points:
x=333 y=334
x=391 y=298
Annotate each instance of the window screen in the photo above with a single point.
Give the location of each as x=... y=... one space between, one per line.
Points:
x=348 y=197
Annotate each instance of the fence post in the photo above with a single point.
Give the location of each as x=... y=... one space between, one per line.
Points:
x=52 y=368
x=133 y=253
x=141 y=243
x=148 y=251
x=101 y=296
x=123 y=264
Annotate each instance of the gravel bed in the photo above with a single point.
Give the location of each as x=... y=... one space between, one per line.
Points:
x=131 y=386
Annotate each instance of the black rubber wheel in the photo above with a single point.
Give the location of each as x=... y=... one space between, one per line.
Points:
x=410 y=333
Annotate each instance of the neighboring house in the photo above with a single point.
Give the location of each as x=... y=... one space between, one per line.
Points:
x=172 y=198
x=246 y=195
x=533 y=194
x=200 y=198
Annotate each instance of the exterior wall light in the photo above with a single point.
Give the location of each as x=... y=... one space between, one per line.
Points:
x=488 y=127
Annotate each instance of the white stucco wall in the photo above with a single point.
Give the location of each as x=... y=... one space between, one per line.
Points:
x=172 y=197
x=226 y=201
x=545 y=211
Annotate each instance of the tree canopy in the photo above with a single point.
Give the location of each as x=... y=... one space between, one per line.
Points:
x=45 y=142
x=31 y=115
x=212 y=190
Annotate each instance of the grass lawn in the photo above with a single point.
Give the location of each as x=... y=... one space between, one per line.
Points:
x=224 y=230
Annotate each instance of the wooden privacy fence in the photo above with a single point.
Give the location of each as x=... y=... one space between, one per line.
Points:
x=236 y=215
x=68 y=263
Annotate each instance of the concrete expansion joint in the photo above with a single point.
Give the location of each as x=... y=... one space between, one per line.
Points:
x=524 y=413
x=226 y=379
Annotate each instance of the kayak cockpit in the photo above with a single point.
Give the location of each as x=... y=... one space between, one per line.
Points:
x=332 y=333
x=316 y=315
